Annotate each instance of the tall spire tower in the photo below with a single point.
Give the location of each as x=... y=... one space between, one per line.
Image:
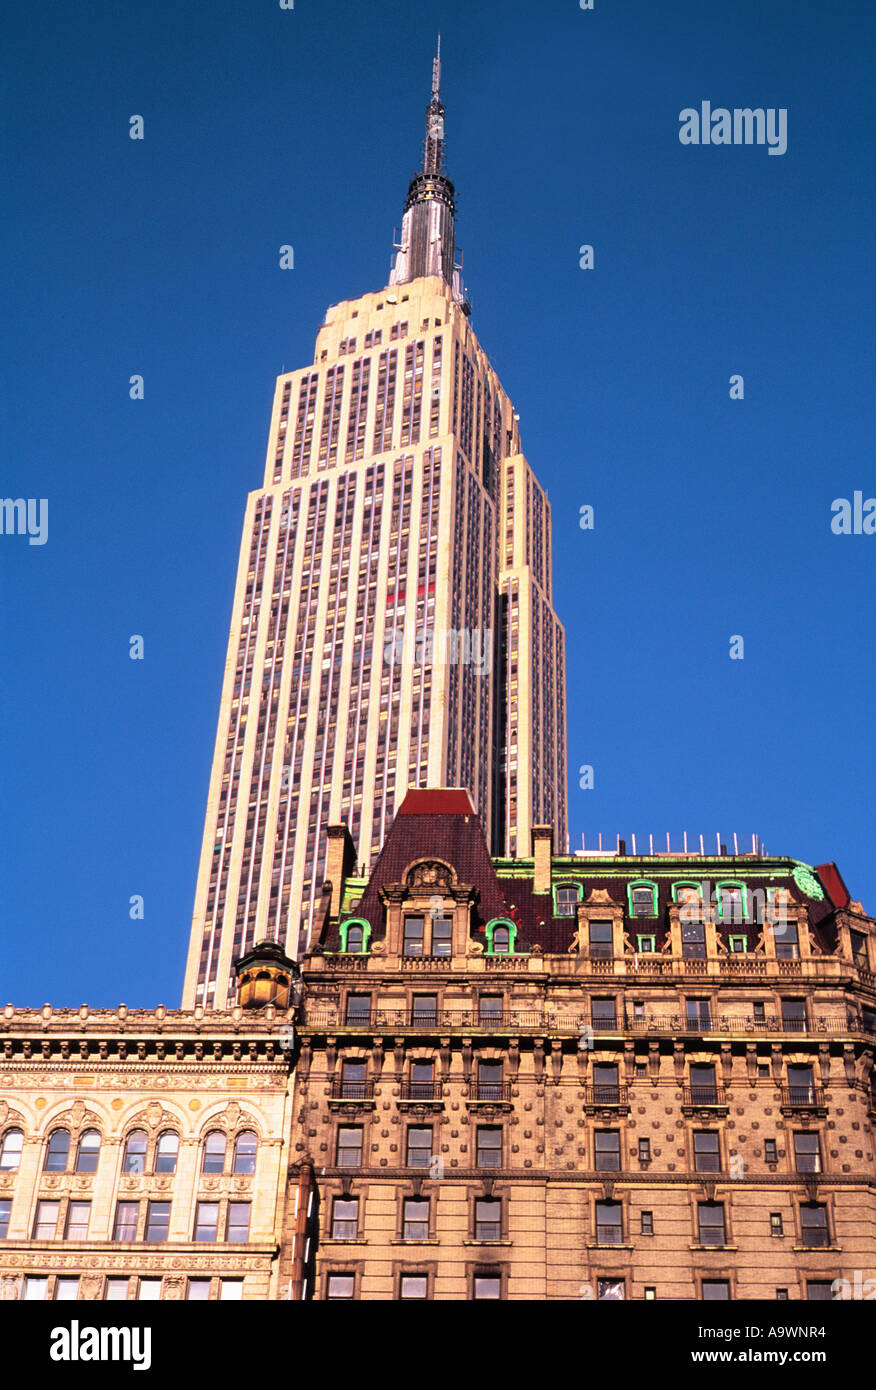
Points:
x=392 y=624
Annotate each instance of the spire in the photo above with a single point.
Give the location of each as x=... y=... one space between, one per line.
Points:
x=428 y=239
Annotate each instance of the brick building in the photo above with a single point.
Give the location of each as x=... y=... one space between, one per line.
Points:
x=603 y=1076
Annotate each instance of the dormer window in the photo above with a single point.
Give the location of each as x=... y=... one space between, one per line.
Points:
x=501 y=935
x=567 y=898
x=442 y=933
x=731 y=902
x=355 y=934
x=501 y=941
x=354 y=938
x=414 y=936
x=642 y=898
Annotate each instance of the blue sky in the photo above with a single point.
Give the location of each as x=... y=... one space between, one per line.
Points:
x=265 y=126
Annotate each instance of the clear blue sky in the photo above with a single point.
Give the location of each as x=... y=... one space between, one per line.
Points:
x=265 y=126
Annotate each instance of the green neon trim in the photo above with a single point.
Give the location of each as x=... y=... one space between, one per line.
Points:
x=512 y=936
x=652 y=951
x=555 y=888
x=366 y=935
x=744 y=940
x=807 y=881
x=642 y=883
x=732 y=883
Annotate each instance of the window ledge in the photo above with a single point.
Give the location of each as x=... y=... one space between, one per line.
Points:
x=713 y=1247
x=430 y=1241
x=815 y=1249
x=339 y=1240
x=488 y=1242
x=599 y=1246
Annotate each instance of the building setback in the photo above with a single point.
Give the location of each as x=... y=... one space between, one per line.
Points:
x=393 y=623
x=600 y=1076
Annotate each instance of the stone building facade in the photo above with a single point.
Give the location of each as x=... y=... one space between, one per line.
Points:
x=144 y=1154
x=598 y=1076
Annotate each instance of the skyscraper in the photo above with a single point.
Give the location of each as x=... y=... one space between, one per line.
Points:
x=392 y=624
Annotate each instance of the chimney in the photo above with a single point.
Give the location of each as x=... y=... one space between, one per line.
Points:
x=340 y=863
x=542 y=852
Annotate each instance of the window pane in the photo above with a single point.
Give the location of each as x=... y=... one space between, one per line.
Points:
x=608 y=1223
x=414 y=931
x=488 y=1219
x=116 y=1290
x=349 y=1146
x=419 y=1148
x=214 y=1153
x=441 y=937
x=198 y=1290
x=78 y=1214
x=609 y=1289
x=490 y=1007
x=501 y=940
x=135 y=1152
x=88 y=1152
x=607 y=1150
x=206 y=1221
x=36 y=1287
x=245 y=1152
x=10 y=1153
x=359 y=1008
x=45 y=1226
x=414 y=1286
x=67 y=1289
x=157 y=1221
x=425 y=1008
x=5 y=1213
x=487 y=1286
x=231 y=1290
x=354 y=939
x=415 y=1224
x=57 y=1152
x=238 y=1222
x=707 y=1157
x=127 y=1214
x=166 y=1152
x=711 y=1223
x=716 y=1290
x=345 y=1218
x=489 y=1147
x=340 y=1286
x=149 y=1290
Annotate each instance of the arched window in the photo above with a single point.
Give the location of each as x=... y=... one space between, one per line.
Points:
x=732 y=903
x=501 y=936
x=214 y=1153
x=686 y=891
x=567 y=898
x=166 y=1152
x=354 y=935
x=57 y=1152
x=642 y=896
x=354 y=938
x=10 y=1150
x=245 y=1152
x=88 y=1152
x=135 y=1152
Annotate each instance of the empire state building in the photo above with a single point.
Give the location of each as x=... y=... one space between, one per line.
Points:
x=393 y=624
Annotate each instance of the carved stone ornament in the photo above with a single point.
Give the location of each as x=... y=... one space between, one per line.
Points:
x=474 y=948
x=429 y=874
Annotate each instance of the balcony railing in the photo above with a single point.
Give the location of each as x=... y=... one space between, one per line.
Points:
x=803 y=1097
x=549 y=1021
x=704 y=1095
x=424 y=1092
x=606 y=1095
x=352 y=1090
x=490 y=1091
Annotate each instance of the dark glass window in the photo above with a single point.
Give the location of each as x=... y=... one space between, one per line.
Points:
x=609 y=1230
x=349 y=1146
x=647 y=1223
x=604 y=1013
x=801 y=1085
x=490 y=1008
x=157 y=1221
x=607 y=1150
x=703 y=1087
x=794 y=1015
x=859 y=950
x=776 y=1223
x=807 y=1153
x=442 y=932
x=770 y=1151
x=716 y=1290
x=5 y=1213
x=489 y=1146
x=88 y=1152
x=422 y=1080
x=693 y=940
x=710 y=1216
x=358 y=1009
x=414 y=931
x=419 y=1153
x=606 y=1090
x=345 y=1218
x=353 y=1080
x=707 y=1154
x=488 y=1219
x=819 y=1291
x=787 y=941
x=813 y=1221
x=57 y=1152
x=601 y=940
x=425 y=1010
x=354 y=939
x=644 y=1150
x=759 y=1011
x=643 y=902
x=698 y=1013
x=415 y=1218
x=567 y=902
x=489 y=1081
x=501 y=941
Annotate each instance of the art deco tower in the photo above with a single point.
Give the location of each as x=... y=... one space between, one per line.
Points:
x=392 y=624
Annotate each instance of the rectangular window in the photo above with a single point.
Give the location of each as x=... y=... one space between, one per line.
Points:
x=442 y=932
x=782 y=1295
x=45 y=1226
x=489 y=1081
x=693 y=940
x=231 y=1290
x=609 y=1290
x=422 y=1083
x=759 y=1011
x=207 y=1221
x=67 y=1288
x=157 y=1221
x=487 y=1286
x=738 y=945
x=644 y=1150
x=340 y=1286
x=116 y=1290
x=801 y=1085
x=359 y=1009
x=859 y=950
x=345 y=1218
x=424 y=1013
x=413 y=1287
x=776 y=1223
x=819 y=1291
x=807 y=1153
x=646 y=945
x=703 y=1087
x=127 y=1216
x=607 y=1151
x=647 y=1223
x=609 y=1230
x=788 y=943
x=643 y=902
x=78 y=1216
x=488 y=1219
x=794 y=1015
x=5 y=1213
x=490 y=1008
x=237 y=1225
x=414 y=931
x=198 y=1290
x=353 y=1084
x=604 y=1013
x=419 y=1153
x=699 y=1013
x=349 y=1146
x=606 y=1090
x=149 y=1290
x=567 y=902
x=716 y=1290
x=489 y=1146
x=415 y=1218
x=36 y=1287
x=813 y=1221
x=707 y=1156
x=710 y=1217
x=601 y=940
x=770 y=1151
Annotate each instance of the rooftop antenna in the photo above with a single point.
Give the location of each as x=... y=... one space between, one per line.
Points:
x=718 y=840
x=702 y=846
x=735 y=844
x=436 y=70
x=600 y=842
x=650 y=844
x=685 y=842
x=667 y=842
x=634 y=844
